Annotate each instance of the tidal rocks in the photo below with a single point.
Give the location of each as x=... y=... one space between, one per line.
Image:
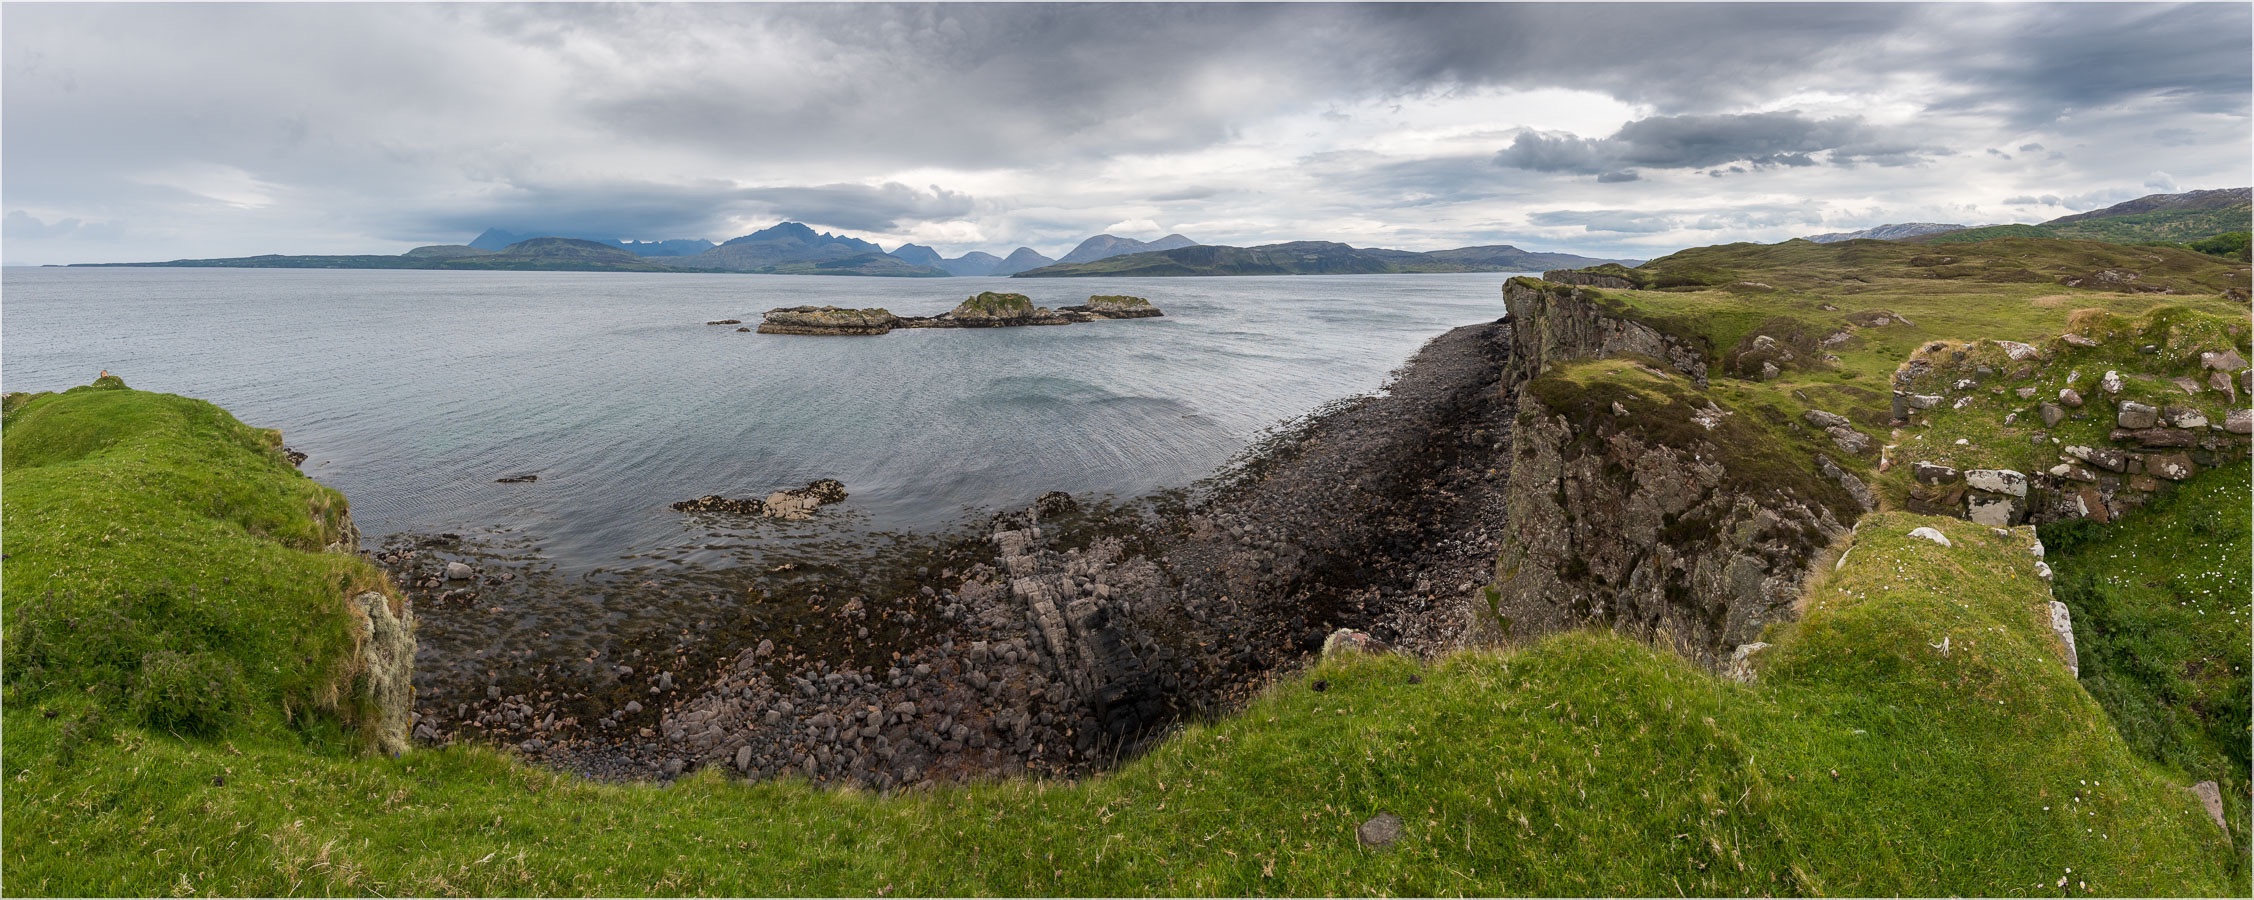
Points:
x=828 y=320
x=991 y=309
x=789 y=505
x=1115 y=306
x=526 y=478
x=725 y=322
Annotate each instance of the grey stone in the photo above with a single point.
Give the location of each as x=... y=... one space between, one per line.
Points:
x=2070 y=398
x=2042 y=570
x=2052 y=414
x=2134 y=415
x=2105 y=458
x=1933 y=473
x=1930 y=534
x=1997 y=481
x=2077 y=340
x=2221 y=382
x=633 y=706
x=2073 y=472
x=2182 y=417
x=2025 y=393
x=1994 y=510
x=2157 y=437
x=1923 y=401
x=2224 y=361
x=1822 y=419
x=2017 y=350
x=2211 y=797
x=1849 y=440
x=2172 y=466
x=1854 y=486
x=1769 y=371
x=743 y=759
x=1382 y=830
x=673 y=767
x=458 y=571
x=533 y=745
x=2240 y=421
x=2062 y=624
x=2186 y=385
x=1347 y=640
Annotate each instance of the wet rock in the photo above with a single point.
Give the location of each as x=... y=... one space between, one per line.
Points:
x=725 y=322
x=2133 y=415
x=800 y=503
x=296 y=458
x=714 y=503
x=526 y=478
x=1382 y=830
x=458 y=572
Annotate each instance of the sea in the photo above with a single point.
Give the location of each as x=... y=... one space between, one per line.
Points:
x=413 y=391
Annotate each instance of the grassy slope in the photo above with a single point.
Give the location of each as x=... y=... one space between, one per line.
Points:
x=2162 y=609
x=1865 y=762
x=2176 y=225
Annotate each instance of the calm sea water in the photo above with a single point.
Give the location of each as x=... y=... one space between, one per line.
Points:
x=413 y=391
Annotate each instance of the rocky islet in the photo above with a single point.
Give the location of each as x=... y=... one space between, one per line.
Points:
x=988 y=309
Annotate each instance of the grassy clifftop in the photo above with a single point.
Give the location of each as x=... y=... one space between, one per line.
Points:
x=1863 y=761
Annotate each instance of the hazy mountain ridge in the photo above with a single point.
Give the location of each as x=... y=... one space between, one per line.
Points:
x=1314 y=258
x=2181 y=217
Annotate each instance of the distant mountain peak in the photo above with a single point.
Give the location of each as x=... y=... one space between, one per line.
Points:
x=1888 y=232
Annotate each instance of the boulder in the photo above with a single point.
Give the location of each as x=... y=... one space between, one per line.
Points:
x=1769 y=371
x=2184 y=417
x=2240 y=421
x=2017 y=350
x=1347 y=640
x=2133 y=415
x=2077 y=340
x=2171 y=466
x=1930 y=473
x=2052 y=414
x=1380 y=831
x=2223 y=360
x=1997 y=481
x=458 y=572
x=1822 y=419
x=2070 y=398
x=1930 y=534
x=1923 y=401
x=1996 y=510
x=2111 y=383
x=1849 y=439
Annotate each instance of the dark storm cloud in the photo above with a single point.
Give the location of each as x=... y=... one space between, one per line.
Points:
x=2034 y=64
x=1696 y=142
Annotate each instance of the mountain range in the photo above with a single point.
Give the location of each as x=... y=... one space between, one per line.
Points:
x=792 y=248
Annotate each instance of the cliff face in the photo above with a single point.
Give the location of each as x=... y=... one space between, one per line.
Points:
x=1636 y=500
x=1551 y=322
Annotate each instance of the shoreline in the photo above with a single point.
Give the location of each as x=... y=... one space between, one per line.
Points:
x=1051 y=641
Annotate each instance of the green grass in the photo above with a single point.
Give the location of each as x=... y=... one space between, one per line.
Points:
x=165 y=567
x=2172 y=225
x=1863 y=762
x=2162 y=610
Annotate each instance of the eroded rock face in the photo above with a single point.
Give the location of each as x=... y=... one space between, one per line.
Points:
x=1115 y=306
x=1555 y=322
x=1650 y=539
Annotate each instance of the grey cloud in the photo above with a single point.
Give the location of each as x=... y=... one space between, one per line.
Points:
x=861 y=207
x=1691 y=142
x=1618 y=177
x=1622 y=221
x=2030 y=148
x=20 y=225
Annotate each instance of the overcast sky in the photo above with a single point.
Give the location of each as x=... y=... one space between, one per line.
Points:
x=177 y=130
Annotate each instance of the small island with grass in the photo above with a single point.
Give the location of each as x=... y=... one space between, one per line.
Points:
x=987 y=310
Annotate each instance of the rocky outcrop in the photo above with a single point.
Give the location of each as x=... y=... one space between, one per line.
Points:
x=828 y=320
x=1112 y=306
x=987 y=310
x=1552 y=322
x=1636 y=500
x=790 y=505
